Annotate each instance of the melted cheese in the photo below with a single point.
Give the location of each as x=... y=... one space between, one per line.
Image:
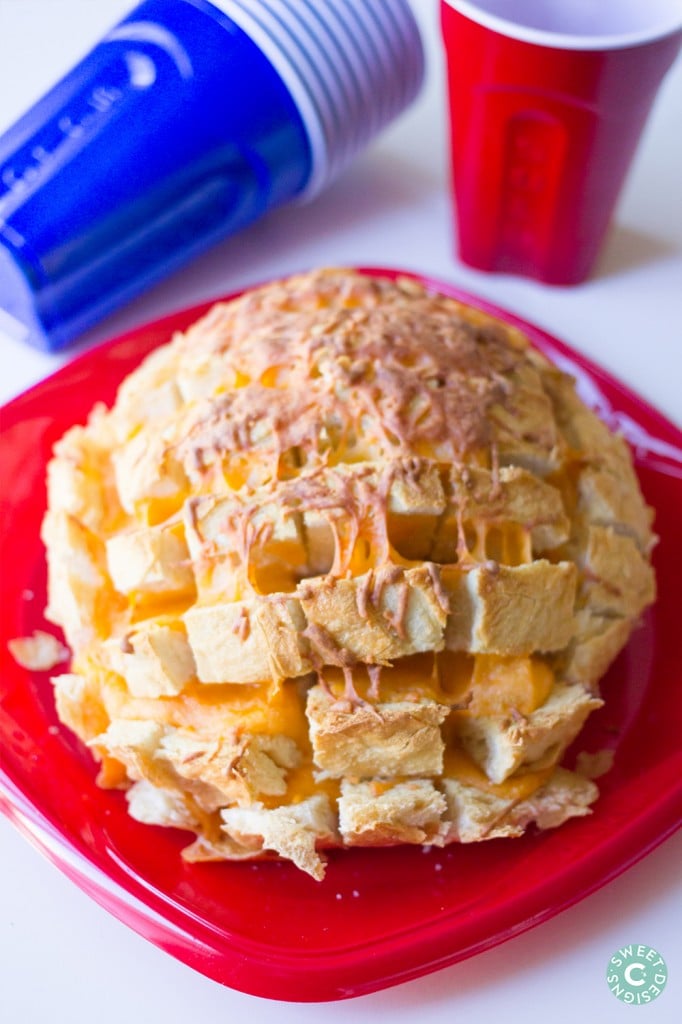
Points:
x=112 y=774
x=496 y=684
x=566 y=481
x=458 y=765
x=303 y=782
x=500 y=684
x=508 y=545
x=411 y=536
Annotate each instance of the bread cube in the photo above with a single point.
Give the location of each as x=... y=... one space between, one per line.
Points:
x=375 y=740
x=158 y=663
x=373 y=621
x=379 y=814
x=514 y=610
x=151 y=560
x=294 y=831
x=501 y=745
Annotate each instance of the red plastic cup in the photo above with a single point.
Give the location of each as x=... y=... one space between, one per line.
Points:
x=547 y=105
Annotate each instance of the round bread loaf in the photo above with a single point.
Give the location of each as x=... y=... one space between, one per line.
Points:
x=342 y=566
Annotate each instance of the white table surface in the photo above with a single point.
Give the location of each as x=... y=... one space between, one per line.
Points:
x=62 y=958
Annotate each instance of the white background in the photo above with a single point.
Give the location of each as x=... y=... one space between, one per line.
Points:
x=62 y=958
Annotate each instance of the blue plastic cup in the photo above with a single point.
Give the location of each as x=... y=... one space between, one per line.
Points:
x=186 y=122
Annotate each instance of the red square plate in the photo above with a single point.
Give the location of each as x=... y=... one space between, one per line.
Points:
x=380 y=916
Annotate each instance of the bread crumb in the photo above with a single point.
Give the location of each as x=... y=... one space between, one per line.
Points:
x=593 y=766
x=38 y=652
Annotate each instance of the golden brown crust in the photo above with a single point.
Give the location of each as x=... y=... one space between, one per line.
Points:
x=608 y=499
x=475 y=814
x=335 y=535
x=242 y=768
x=408 y=812
x=374 y=618
x=294 y=831
x=380 y=740
x=618 y=580
x=597 y=642
x=503 y=745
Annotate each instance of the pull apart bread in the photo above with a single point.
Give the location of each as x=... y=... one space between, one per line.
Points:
x=342 y=567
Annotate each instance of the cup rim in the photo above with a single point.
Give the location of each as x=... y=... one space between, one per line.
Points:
x=327 y=55
x=560 y=40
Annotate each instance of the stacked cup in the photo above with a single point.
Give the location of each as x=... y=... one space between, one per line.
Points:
x=189 y=120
